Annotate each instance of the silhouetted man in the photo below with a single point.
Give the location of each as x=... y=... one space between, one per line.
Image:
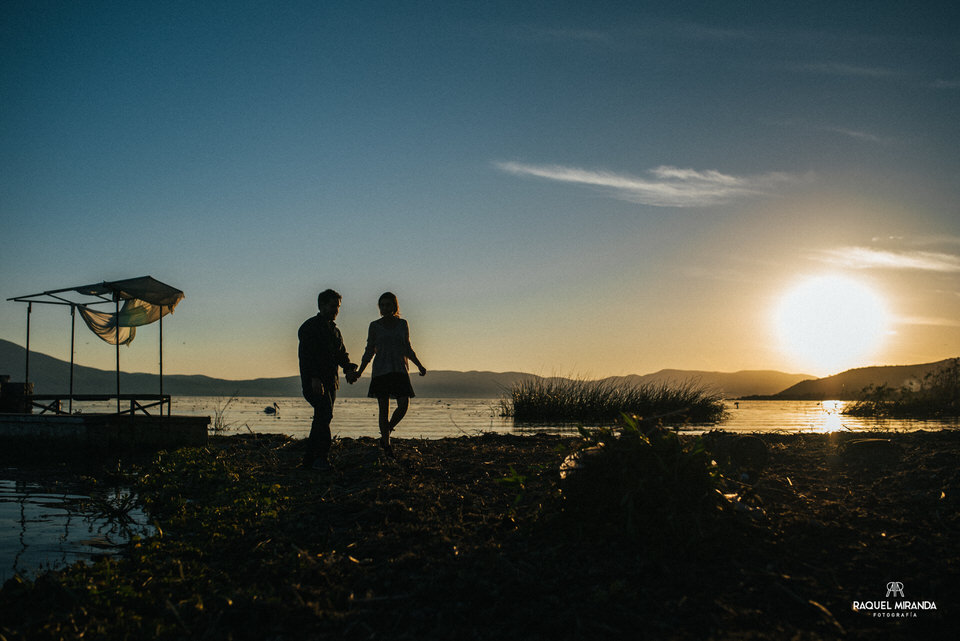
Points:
x=322 y=353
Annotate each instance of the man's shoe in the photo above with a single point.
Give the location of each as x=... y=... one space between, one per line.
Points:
x=320 y=465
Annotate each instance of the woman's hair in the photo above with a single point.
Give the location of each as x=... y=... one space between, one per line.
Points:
x=390 y=296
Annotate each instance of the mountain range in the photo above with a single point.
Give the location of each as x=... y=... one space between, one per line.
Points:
x=52 y=376
x=847 y=385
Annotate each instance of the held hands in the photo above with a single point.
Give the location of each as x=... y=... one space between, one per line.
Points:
x=351 y=373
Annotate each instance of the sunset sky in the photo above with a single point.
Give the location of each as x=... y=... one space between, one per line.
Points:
x=554 y=187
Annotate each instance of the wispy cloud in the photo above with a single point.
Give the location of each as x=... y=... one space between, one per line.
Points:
x=938 y=240
x=869 y=258
x=929 y=320
x=666 y=187
x=859 y=135
x=841 y=69
x=579 y=35
x=601 y=38
x=697 y=31
x=945 y=84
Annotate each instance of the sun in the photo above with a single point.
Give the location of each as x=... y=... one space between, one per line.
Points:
x=831 y=323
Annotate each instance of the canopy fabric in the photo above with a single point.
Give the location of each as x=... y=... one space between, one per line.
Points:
x=145 y=300
x=113 y=328
x=145 y=288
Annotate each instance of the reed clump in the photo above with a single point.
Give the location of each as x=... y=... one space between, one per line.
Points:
x=579 y=401
x=654 y=483
x=936 y=396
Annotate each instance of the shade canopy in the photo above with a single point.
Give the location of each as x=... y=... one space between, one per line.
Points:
x=145 y=300
x=145 y=288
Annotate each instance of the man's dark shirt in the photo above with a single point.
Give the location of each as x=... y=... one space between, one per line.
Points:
x=321 y=352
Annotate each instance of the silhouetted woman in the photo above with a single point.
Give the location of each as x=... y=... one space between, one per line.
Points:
x=388 y=344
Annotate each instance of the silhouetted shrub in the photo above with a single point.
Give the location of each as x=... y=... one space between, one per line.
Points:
x=655 y=483
x=938 y=395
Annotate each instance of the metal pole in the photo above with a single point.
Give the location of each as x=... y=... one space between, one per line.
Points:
x=161 y=360
x=26 y=375
x=73 y=336
x=117 y=325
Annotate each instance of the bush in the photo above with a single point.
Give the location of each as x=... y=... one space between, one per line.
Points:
x=652 y=482
x=938 y=395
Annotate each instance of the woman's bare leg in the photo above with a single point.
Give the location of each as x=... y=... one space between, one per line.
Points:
x=384 y=405
x=383 y=402
x=402 y=404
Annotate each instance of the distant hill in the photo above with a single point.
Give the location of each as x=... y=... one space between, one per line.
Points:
x=847 y=385
x=731 y=384
x=52 y=376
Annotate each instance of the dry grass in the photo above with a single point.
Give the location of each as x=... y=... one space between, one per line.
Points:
x=470 y=538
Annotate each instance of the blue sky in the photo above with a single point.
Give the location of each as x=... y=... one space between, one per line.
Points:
x=574 y=188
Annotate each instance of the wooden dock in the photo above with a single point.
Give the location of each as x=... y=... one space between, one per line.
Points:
x=105 y=430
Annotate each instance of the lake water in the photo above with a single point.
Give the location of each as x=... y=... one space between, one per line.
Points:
x=438 y=418
x=43 y=528
x=46 y=527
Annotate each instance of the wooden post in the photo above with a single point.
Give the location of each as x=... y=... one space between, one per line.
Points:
x=73 y=335
x=116 y=297
x=161 y=360
x=26 y=375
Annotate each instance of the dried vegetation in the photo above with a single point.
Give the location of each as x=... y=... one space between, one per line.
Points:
x=471 y=538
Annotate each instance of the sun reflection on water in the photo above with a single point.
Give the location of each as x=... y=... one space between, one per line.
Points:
x=832 y=416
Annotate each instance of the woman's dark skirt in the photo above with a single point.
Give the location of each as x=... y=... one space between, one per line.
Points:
x=394 y=384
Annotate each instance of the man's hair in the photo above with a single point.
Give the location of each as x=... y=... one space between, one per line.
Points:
x=326 y=296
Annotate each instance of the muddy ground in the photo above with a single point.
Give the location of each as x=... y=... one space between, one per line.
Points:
x=471 y=538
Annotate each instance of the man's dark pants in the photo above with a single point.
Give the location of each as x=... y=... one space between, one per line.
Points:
x=318 y=444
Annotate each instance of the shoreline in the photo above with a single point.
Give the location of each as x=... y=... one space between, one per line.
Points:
x=469 y=537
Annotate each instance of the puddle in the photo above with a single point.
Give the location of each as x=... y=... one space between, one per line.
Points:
x=51 y=527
